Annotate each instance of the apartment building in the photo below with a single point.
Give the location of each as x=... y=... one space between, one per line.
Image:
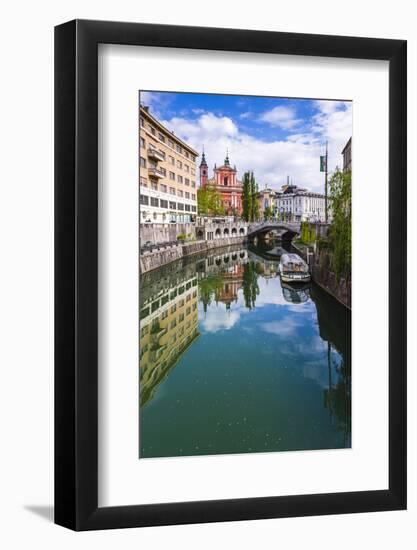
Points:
x=167 y=174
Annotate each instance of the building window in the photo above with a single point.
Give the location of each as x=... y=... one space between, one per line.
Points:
x=187 y=208
x=154 y=185
x=142 y=143
x=143 y=162
x=180 y=206
x=171 y=160
x=143 y=182
x=171 y=143
x=163 y=188
x=225 y=181
x=193 y=196
x=179 y=149
x=173 y=205
x=154 y=201
x=171 y=176
x=153 y=131
x=187 y=155
x=161 y=137
x=193 y=184
x=180 y=193
x=179 y=164
x=179 y=178
x=144 y=199
x=194 y=209
x=163 y=171
x=187 y=181
x=142 y=122
x=172 y=190
x=192 y=172
x=187 y=195
x=164 y=204
x=186 y=168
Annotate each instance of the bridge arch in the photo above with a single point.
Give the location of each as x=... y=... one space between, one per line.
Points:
x=290 y=229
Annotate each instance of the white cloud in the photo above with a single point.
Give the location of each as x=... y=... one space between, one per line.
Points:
x=271 y=161
x=280 y=117
x=284 y=328
x=156 y=101
x=220 y=319
x=333 y=123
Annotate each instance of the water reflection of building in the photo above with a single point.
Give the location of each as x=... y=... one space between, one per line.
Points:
x=232 y=283
x=223 y=260
x=169 y=324
x=221 y=276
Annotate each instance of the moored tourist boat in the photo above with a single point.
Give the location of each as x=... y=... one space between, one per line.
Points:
x=293 y=269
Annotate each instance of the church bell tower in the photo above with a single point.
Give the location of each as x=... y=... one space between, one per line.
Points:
x=203 y=171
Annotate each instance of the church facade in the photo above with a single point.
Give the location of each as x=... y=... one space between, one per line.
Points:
x=225 y=182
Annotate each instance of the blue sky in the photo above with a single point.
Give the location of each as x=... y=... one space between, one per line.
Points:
x=274 y=137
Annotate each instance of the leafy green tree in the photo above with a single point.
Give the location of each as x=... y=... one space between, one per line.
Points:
x=255 y=202
x=246 y=197
x=210 y=202
x=340 y=232
x=268 y=213
x=249 y=198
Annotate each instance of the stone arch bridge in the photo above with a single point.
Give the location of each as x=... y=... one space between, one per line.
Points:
x=290 y=228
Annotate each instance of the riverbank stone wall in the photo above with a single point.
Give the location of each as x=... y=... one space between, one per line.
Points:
x=157 y=233
x=165 y=255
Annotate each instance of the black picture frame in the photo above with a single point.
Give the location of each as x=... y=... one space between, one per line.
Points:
x=76 y=274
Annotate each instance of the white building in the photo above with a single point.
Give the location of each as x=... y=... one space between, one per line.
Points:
x=298 y=204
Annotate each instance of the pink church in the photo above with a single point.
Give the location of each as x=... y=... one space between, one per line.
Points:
x=225 y=181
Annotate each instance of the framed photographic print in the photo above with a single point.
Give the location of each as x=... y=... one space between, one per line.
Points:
x=230 y=275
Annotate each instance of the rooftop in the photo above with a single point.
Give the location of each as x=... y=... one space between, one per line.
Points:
x=144 y=111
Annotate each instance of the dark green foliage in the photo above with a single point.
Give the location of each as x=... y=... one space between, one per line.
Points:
x=340 y=233
x=268 y=213
x=308 y=233
x=209 y=202
x=249 y=198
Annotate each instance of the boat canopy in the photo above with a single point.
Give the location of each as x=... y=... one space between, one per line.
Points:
x=293 y=262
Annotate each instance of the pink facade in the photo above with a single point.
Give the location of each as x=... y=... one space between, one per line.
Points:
x=225 y=181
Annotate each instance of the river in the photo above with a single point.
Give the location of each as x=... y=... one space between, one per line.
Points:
x=234 y=361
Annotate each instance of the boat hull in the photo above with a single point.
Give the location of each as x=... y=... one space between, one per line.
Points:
x=295 y=278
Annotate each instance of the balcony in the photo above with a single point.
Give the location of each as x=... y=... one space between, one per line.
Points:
x=155 y=173
x=155 y=154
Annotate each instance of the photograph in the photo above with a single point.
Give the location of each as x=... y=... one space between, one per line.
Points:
x=245 y=274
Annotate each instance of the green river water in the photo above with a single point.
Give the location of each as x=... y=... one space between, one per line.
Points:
x=234 y=361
